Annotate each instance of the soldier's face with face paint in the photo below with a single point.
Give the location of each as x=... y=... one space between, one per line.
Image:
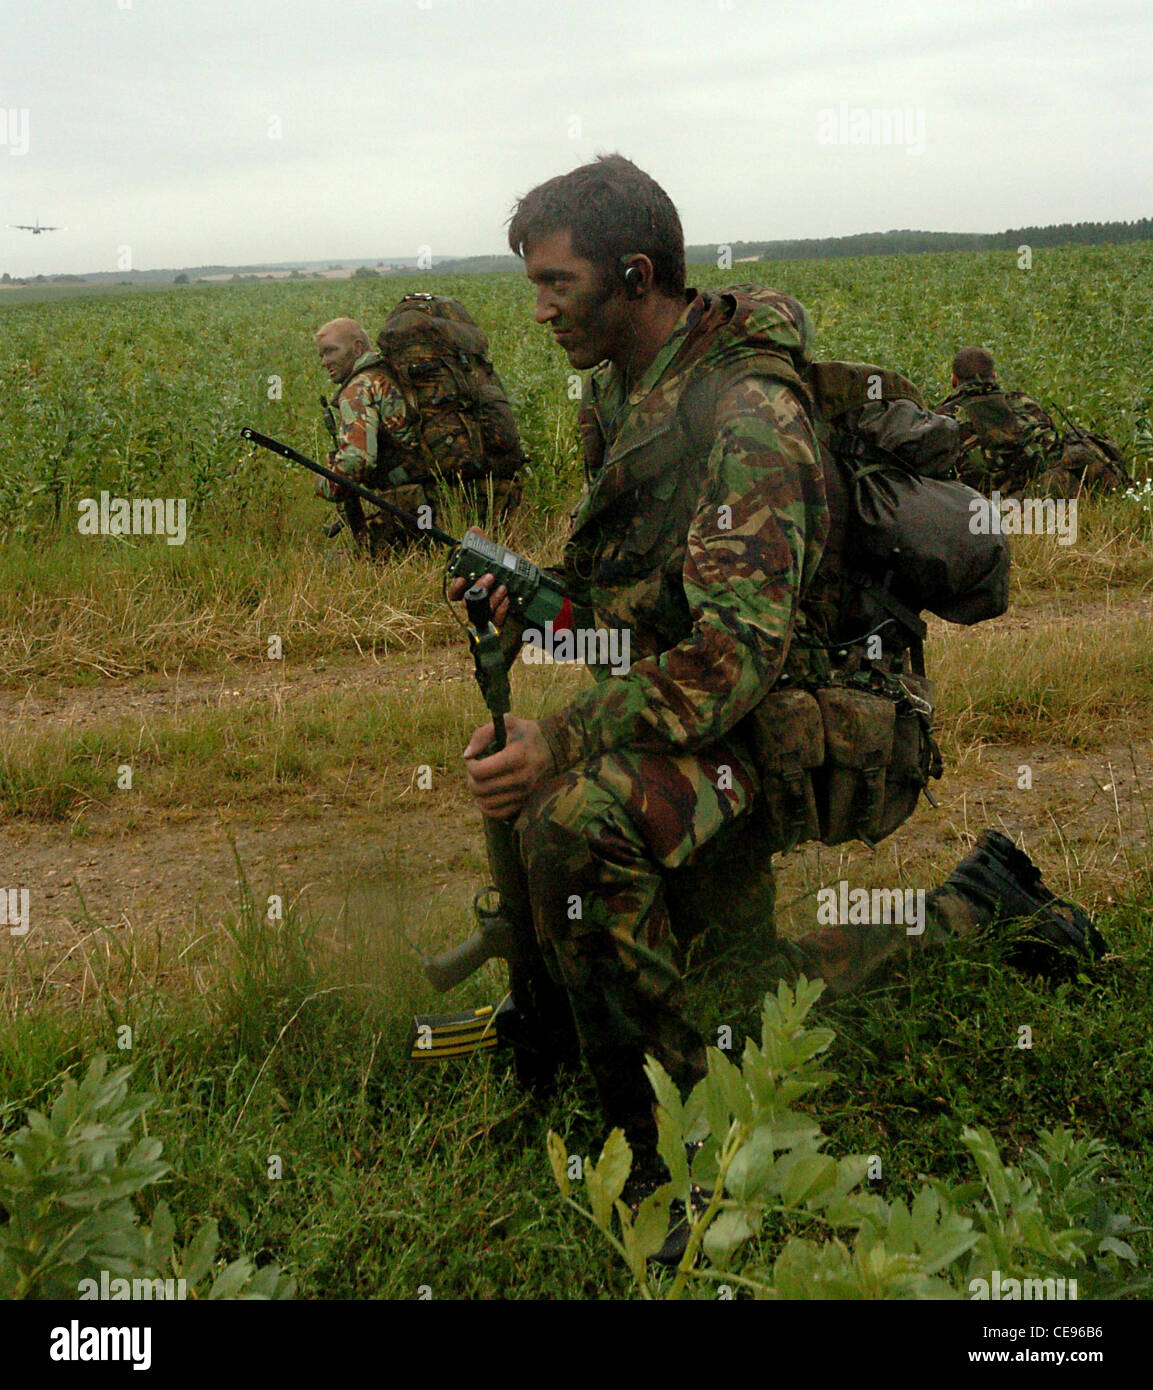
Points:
x=587 y=312
x=338 y=351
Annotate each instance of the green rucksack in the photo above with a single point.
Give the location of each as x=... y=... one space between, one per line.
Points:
x=1089 y=463
x=901 y=537
x=847 y=756
x=439 y=358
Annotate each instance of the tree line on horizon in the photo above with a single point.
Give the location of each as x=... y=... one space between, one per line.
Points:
x=903 y=241
x=914 y=242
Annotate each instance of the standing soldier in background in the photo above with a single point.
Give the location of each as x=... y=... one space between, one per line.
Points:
x=1009 y=443
x=421 y=413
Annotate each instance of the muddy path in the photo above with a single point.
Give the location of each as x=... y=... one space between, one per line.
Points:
x=1084 y=815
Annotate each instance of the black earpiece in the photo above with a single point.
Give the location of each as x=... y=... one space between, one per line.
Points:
x=631 y=275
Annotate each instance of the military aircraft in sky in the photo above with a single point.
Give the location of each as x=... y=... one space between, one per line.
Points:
x=35 y=230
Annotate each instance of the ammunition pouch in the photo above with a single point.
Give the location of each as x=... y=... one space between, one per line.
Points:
x=787 y=741
x=845 y=761
x=858 y=745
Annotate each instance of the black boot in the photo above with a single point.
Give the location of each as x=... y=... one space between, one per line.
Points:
x=1001 y=879
x=648 y=1174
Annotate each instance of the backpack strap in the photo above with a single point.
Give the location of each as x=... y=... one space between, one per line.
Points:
x=915 y=629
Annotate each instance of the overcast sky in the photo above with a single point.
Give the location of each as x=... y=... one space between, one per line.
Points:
x=243 y=131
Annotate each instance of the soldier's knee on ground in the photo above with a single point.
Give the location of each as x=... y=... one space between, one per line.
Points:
x=600 y=914
x=995 y=882
x=849 y=956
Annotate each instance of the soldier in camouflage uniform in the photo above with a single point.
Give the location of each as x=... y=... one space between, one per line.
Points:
x=377 y=443
x=370 y=428
x=1010 y=444
x=699 y=531
x=1008 y=440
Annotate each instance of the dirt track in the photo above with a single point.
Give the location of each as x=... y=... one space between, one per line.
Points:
x=161 y=870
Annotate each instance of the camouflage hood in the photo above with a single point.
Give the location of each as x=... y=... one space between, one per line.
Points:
x=754 y=321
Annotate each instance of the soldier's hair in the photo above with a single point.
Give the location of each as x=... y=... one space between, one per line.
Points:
x=610 y=208
x=346 y=330
x=974 y=364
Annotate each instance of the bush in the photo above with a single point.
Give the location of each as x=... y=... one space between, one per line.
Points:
x=66 y=1213
x=759 y=1156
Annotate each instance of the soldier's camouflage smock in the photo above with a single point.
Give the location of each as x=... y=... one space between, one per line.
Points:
x=368 y=403
x=376 y=439
x=701 y=550
x=1008 y=440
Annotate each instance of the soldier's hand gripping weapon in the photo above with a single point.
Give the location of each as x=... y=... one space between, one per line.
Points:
x=535 y=1017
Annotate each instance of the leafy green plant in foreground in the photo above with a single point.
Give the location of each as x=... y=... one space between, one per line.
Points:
x=66 y=1212
x=761 y=1167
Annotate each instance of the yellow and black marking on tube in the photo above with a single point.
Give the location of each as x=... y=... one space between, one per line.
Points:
x=437 y=1036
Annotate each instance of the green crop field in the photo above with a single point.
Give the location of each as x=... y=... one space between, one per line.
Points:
x=285 y=1037
x=149 y=390
x=144 y=394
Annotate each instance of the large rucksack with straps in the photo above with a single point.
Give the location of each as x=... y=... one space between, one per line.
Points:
x=1088 y=463
x=901 y=538
x=439 y=358
x=845 y=751
x=1024 y=450
x=901 y=535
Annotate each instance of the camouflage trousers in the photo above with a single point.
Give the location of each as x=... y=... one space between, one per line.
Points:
x=385 y=534
x=630 y=857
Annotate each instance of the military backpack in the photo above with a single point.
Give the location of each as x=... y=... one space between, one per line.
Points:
x=843 y=743
x=901 y=538
x=1088 y=463
x=846 y=750
x=439 y=358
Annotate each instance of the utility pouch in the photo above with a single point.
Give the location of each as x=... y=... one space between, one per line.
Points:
x=916 y=756
x=787 y=741
x=850 y=788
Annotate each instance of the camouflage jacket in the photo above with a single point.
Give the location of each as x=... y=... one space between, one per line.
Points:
x=367 y=403
x=1007 y=438
x=701 y=524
